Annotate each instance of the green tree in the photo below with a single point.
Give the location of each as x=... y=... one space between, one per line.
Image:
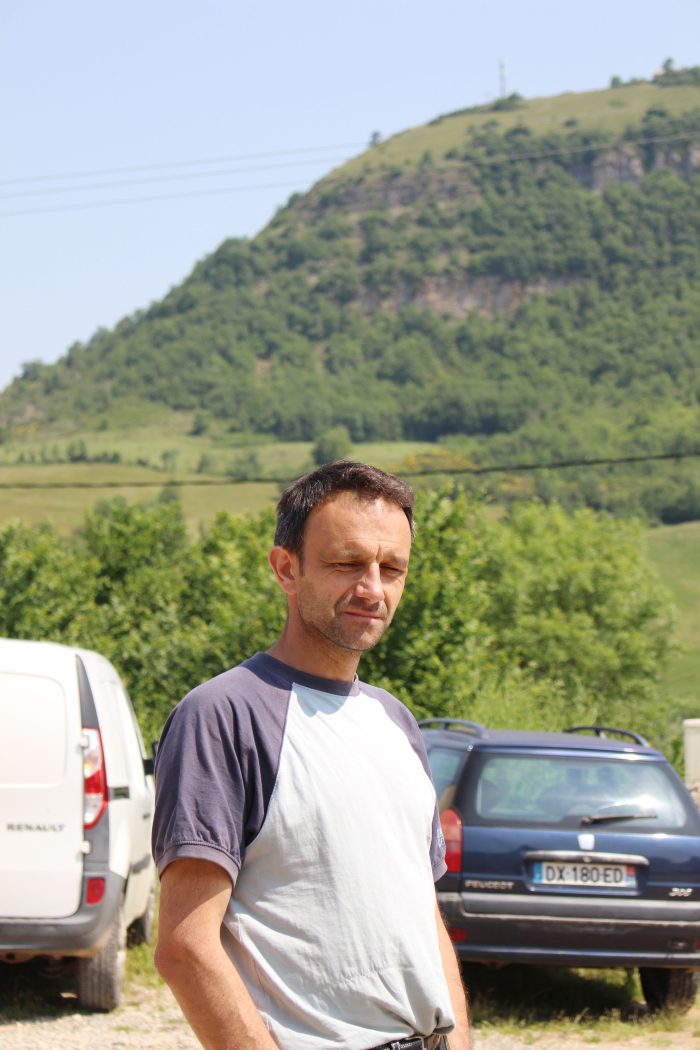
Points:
x=332 y=444
x=169 y=459
x=536 y=621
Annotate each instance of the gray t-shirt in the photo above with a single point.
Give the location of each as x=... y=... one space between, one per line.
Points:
x=315 y=797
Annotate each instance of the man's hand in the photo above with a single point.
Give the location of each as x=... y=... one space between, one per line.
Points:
x=192 y=961
x=460 y=1037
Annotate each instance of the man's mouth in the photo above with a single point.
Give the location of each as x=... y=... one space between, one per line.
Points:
x=364 y=614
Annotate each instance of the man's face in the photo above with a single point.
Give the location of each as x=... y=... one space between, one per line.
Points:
x=353 y=569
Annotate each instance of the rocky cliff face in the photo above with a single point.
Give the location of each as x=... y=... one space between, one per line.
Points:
x=457 y=295
x=449 y=183
x=452 y=186
x=627 y=164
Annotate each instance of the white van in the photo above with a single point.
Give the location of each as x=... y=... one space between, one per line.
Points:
x=76 y=808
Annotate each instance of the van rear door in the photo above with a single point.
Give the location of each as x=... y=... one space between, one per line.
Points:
x=41 y=784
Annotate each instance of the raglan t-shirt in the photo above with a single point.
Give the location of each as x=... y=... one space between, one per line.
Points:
x=315 y=797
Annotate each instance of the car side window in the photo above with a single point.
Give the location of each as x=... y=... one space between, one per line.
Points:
x=445 y=763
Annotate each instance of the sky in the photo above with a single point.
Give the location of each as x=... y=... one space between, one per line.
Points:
x=139 y=134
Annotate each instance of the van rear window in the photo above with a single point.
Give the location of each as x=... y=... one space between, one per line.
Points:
x=33 y=738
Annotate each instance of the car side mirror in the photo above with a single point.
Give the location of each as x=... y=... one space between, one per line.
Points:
x=149 y=763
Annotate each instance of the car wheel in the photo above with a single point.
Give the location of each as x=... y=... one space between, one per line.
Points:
x=141 y=929
x=101 y=977
x=669 y=990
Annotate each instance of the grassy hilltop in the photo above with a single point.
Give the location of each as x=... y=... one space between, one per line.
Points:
x=608 y=111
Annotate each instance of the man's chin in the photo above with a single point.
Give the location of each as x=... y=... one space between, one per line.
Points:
x=361 y=636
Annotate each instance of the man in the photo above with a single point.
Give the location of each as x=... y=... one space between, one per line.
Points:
x=296 y=830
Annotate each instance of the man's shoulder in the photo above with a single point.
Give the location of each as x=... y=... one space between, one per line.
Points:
x=395 y=708
x=249 y=686
x=402 y=718
x=380 y=694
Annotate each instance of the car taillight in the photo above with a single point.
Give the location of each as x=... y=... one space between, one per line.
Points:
x=94 y=777
x=452 y=830
x=94 y=891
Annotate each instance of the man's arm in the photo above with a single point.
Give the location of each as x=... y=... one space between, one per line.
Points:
x=460 y=1037
x=192 y=961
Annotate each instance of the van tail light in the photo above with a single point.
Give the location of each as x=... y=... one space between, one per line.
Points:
x=94 y=777
x=451 y=823
x=94 y=891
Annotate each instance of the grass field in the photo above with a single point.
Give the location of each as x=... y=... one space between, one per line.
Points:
x=675 y=551
x=609 y=110
x=61 y=493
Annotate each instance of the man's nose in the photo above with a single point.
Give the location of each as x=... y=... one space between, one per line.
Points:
x=369 y=586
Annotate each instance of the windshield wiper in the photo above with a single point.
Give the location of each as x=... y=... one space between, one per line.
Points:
x=604 y=818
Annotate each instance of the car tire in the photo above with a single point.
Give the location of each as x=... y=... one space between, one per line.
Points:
x=141 y=929
x=101 y=977
x=670 y=990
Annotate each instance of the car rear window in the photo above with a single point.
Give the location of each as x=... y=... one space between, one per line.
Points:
x=574 y=791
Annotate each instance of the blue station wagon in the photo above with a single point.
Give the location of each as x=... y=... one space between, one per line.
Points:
x=579 y=848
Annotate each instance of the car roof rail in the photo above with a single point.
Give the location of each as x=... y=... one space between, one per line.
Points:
x=475 y=728
x=603 y=731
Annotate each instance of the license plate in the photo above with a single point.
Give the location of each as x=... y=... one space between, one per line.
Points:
x=584 y=874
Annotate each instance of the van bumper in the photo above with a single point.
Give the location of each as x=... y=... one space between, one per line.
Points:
x=82 y=934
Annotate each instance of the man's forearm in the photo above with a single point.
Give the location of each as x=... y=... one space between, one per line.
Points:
x=191 y=960
x=460 y=1037
x=217 y=1004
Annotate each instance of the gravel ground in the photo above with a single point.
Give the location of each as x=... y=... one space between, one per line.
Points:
x=150 y=1019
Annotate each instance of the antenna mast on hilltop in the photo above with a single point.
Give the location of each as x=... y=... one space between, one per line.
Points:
x=502 y=79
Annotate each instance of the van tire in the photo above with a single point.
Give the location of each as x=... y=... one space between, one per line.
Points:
x=101 y=977
x=670 y=990
x=141 y=929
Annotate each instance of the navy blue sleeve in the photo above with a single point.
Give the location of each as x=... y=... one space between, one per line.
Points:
x=216 y=768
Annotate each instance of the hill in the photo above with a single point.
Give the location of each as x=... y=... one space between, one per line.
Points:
x=517 y=281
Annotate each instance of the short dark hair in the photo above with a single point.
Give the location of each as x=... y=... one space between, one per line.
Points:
x=343 y=475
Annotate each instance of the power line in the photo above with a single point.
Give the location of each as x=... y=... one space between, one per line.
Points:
x=147 y=200
x=483 y=162
x=178 y=164
x=561 y=464
x=234 y=157
x=170 y=178
x=504 y=468
x=564 y=151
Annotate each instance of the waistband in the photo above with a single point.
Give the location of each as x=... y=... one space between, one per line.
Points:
x=416 y=1042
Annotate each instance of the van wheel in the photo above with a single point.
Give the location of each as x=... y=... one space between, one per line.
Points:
x=101 y=977
x=669 y=990
x=141 y=929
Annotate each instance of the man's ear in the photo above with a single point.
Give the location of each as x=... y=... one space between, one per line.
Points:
x=285 y=566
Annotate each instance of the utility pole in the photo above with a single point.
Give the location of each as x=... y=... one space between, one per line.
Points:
x=502 y=79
